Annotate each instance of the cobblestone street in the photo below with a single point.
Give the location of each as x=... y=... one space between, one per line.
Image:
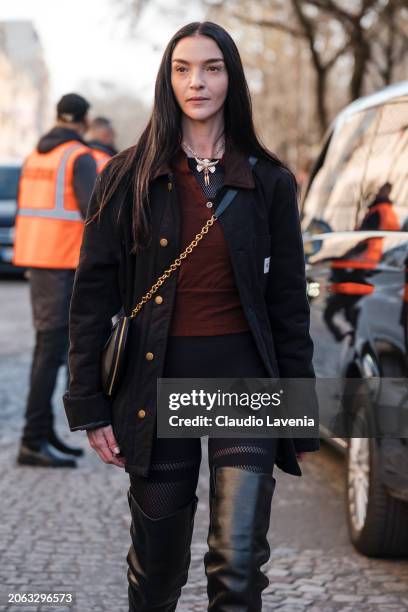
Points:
x=69 y=529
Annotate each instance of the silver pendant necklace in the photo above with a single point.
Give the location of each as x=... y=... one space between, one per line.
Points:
x=204 y=164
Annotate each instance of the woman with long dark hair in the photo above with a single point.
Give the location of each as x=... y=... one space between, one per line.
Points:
x=235 y=307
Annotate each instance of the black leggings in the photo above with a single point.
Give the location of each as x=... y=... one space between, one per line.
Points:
x=175 y=462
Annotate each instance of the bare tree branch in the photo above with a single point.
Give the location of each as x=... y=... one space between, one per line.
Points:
x=334 y=9
x=269 y=23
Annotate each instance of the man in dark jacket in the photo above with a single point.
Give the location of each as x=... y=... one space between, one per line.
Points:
x=55 y=186
x=101 y=136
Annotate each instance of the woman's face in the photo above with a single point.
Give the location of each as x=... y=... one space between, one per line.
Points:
x=199 y=77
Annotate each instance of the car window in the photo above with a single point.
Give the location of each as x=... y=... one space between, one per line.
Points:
x=385 y=177
x=9 y=176
x=322 y=202
x=366 y=165
x=397 y=256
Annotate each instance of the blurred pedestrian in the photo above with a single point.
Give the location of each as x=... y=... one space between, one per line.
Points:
x=381 y=214
x=237 y=308
x=101 y=138
x=55 y=186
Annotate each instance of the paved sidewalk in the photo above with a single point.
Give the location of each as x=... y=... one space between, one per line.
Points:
x=69 y=529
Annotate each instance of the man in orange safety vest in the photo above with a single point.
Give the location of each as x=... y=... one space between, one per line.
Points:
x=55 y=185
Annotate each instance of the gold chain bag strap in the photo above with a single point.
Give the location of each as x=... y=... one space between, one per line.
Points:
x=114 y=352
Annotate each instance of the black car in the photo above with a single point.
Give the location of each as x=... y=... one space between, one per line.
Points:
x=9 y=177
x=354 y=220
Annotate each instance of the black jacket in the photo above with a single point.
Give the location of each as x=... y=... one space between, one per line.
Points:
x=262 y=222
x=99 y=146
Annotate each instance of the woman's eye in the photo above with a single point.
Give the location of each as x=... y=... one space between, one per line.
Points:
x=214 y=68
x=180 y=69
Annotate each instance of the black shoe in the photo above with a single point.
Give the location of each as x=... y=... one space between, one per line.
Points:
x=55 y=441
x=240 y=506
x=44 y=456
x=159 y=557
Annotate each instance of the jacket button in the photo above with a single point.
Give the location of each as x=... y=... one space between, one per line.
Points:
x=149 y=356
x=158 y=299
x=164 y=242
x=141 y=414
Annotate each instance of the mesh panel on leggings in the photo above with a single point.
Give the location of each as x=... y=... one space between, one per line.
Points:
x=251 y=468
x=234 y=450
x=251 y=457
x=170 y=486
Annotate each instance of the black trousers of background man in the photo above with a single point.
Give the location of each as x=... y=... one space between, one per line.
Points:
x=50 y=298
x=50 y=353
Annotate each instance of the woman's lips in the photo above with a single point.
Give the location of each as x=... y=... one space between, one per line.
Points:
x=197 y=100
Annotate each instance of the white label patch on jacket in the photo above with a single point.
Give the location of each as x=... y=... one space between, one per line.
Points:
x=266 y=264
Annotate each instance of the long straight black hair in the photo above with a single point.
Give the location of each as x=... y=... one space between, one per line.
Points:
x=160 y=140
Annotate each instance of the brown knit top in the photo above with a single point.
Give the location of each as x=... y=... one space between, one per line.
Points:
x=207 y=300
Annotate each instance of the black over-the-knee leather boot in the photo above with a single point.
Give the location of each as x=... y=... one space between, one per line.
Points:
x=159 y=557
x=240 y=506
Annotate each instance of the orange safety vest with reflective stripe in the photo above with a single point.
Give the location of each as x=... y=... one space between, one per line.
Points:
x=350 y=288
x=374 y=246
x=388 y=222
x=388 y=218
x=372 y=254
x=101 y=159
x=49 y=225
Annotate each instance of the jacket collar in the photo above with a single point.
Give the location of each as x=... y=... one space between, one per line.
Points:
x=57 y=136
x=238 y=171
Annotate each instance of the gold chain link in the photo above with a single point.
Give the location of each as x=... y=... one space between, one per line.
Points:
x=176 y=264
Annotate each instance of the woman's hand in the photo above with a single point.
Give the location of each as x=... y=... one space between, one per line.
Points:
x=103 y=441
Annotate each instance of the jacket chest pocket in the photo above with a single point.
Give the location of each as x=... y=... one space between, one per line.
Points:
x=262 y=252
